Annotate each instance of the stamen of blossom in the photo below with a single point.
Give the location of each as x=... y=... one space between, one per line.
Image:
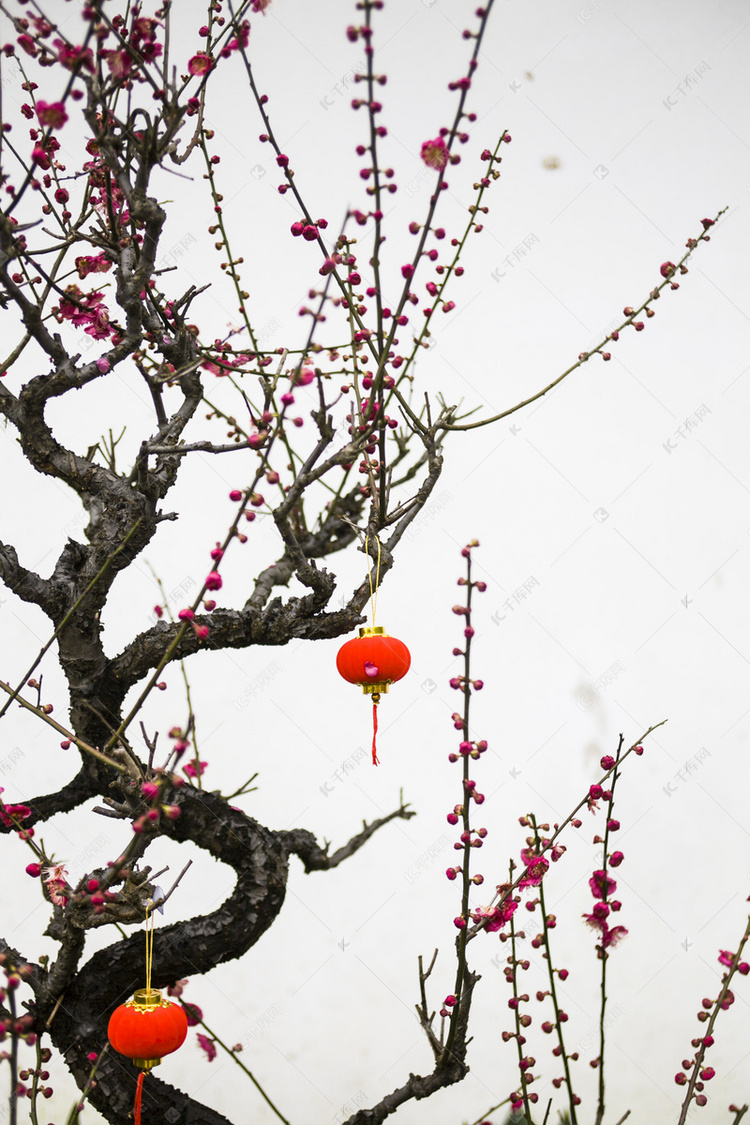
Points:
x=200 y=64
x=435 y=154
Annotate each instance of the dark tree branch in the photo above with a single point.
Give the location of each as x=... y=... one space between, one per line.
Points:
x=88 y=782
x=28 y=585
x=450 y=1068
x=303 y=844
x=260 y=859
x=277 y=625
x=34 y=975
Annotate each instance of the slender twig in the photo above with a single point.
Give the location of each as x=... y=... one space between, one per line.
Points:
x=564 y=824
x=425 y=1017
x=483 y=1117
x=13 y=1099
x=174 y=885
x=517 y=1015
x=243 y=789
x=585 y=356
x=61 y=729
x=462 y=969
x=603 y=950
x=77 y=1109
x=553 y=984
x=35 y=1083
x=699 y=1055
x=241 y=1065
x=191 y=724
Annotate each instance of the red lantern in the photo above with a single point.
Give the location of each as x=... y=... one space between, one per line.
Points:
x=375 y=661
x=145 y=1029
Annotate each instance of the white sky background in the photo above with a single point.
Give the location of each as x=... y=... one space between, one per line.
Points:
x=623 y=495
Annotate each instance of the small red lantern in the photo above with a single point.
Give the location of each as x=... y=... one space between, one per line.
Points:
x=145 y=1029
x=375 y=661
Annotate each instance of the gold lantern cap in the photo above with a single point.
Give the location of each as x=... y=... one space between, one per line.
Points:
x=147 y=998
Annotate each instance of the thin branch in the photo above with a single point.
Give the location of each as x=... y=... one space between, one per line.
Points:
x=68 y=735
x=586 y=356
x=174 y=885
x=303 y=844
x=241 y=1065
x=425 y=1017
x=194 y=447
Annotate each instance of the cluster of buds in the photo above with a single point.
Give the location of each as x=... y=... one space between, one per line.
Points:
x=180 y=740
x=90 y=892
x=466 y=749
x=709 y=1010
x=309 y=230
x=152 y=792
x=601 y=883
x=192 y=1011
x=462 y=683
x=668 y=270
x=200 y=631
x=37 y=1075
x=21 y=1028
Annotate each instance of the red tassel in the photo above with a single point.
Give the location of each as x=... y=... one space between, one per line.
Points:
x=138 y=1095
x=375 y=761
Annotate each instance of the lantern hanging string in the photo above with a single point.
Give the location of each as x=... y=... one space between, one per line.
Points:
x=149 y=943
x=149 y=962
x=373 y=608
x=373 y=592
